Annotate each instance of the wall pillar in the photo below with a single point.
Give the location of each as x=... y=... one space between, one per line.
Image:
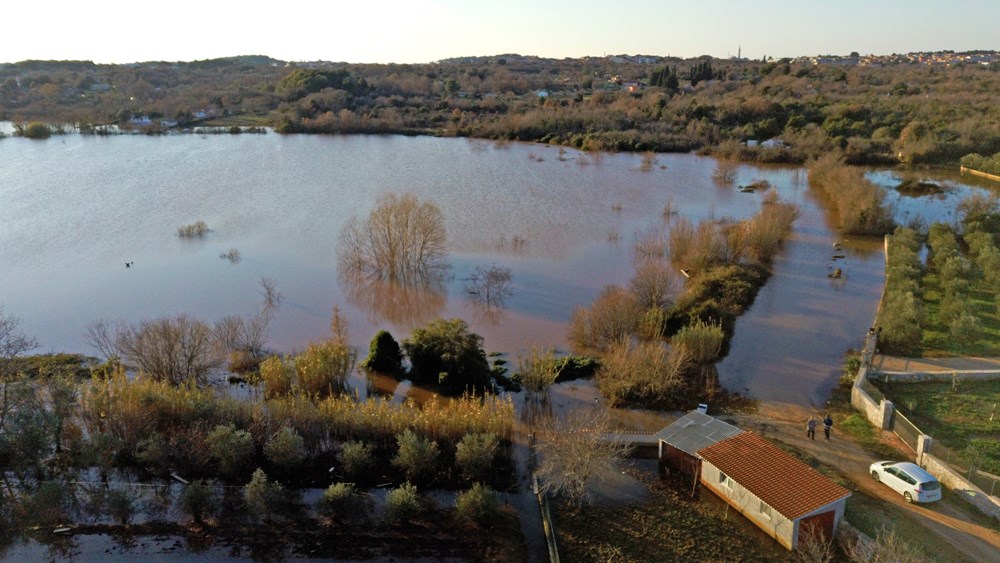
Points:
x=885 y=414
x=924 y=443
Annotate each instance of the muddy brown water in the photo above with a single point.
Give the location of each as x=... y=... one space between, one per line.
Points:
x=75 y=209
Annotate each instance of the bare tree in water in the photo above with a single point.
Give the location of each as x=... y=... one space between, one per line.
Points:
x=402 y=239
x=489 y=286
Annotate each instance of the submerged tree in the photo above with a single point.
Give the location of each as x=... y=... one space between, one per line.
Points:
x=489 y=286
x=402 y=239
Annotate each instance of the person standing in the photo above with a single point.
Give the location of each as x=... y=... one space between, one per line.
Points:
x=811 y=428
x=827 y=425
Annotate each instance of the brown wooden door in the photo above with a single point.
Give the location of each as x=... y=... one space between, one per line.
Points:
x=821 y=523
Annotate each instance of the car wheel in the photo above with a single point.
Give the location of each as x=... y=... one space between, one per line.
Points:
x=875 y=476
x=908 y=497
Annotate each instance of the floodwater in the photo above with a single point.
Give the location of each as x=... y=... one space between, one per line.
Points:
x=74 y=210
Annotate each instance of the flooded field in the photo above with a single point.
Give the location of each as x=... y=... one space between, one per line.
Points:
x=74 y=210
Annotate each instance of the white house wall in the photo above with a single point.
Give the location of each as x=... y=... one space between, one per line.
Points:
x=779 y=527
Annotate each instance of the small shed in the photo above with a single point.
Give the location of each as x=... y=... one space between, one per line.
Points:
x=781 y=495
x=680 y=441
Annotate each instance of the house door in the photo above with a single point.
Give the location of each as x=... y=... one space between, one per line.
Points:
x=821 y=523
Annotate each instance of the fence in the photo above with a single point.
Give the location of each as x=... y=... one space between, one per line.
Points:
x=961 y=462
x=906 y=430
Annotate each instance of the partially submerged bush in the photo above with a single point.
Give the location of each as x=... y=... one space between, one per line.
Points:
x=384 y=354
x=197 y=229
x=198 y=500
x=342 y=501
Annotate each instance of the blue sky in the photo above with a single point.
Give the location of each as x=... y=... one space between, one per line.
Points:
x=428 y=30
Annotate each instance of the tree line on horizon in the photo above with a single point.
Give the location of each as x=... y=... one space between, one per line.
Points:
x=897 y=114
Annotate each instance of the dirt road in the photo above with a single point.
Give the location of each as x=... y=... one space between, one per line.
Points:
x=945 y=521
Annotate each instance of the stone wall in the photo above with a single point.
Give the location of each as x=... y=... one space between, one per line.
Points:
x=962 y=487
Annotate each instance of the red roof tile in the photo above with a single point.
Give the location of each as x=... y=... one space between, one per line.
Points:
x=791 y=487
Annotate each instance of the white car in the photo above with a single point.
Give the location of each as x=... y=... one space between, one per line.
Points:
x=909 y=479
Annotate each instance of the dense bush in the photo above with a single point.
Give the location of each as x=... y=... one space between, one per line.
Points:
x=403 y=504
x=286 y=448
x=232 y=450
x=198 y=501
x=612 y=317
x=355 y=459
x=859 y=203
x=477 y=505
x=446 y=353
x=416 y=457
x=648 y=374
x=342 y=501
x=475 y=456
x=384 y=354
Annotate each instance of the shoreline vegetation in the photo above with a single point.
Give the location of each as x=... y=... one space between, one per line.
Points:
x=887 y=111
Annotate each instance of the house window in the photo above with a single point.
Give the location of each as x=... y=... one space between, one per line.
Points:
x=765 y=510
x=725 y=480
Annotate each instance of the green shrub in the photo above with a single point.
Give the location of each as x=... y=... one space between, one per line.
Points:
x=323 y=368
x=701 y=341
x=47 y=505
x=198 y=500
x=402 y=504
x=277 y=375
x=262 y=497
x=475 y=455
x=355 y=459
x=384 y=354
x=154 y=453
x=232 y=450
x=342 y=501
x=444 y=352
x=477 y=505
x=416 y=457
x=121 y=506
x=286 y=448
x=36 y=130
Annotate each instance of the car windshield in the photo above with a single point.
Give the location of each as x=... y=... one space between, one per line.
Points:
x=930 y=486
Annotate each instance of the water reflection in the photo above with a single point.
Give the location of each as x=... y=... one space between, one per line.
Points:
x=407 y=304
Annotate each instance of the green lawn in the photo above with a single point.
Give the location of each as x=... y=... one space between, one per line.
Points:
x=964 y=417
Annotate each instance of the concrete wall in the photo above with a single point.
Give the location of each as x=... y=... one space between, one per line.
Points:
x=748 y=504
x=962 y=487
x=939 y=376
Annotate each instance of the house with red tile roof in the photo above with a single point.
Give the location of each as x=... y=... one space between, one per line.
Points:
x=780 y=494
